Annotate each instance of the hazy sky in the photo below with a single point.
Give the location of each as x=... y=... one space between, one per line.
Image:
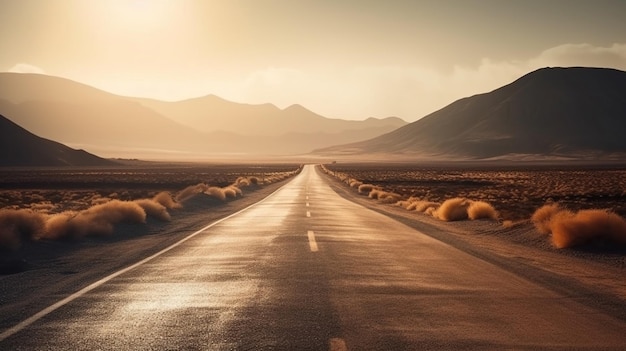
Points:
x=345 y=59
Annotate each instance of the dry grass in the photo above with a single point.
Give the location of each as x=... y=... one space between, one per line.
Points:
x=585 y=227
x=424 y=206
x=366 y=188
x=453 y=210
x=515 y=191
x=481 y=210
x=373 y=194
x=97 y=220
x=19 y=225
x=415 y=204
x=232 y=191
x=543 y=216
x=388 y=198
x=66 y=205
x=191 y=191
x=216 y=192
x=588 y=227
x=242 y=182
x=567 y=228
x=166 y=200
x=154 y=209
x=355 y=183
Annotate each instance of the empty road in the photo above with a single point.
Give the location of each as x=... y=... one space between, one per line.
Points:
x=306 y=269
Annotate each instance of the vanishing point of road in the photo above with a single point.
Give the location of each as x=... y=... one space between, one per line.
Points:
x=306 y=269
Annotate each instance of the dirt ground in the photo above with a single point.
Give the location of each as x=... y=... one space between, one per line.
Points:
x=56 y=190
x=516 y=191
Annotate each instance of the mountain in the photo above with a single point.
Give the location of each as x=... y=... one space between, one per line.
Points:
x=82 y=116
x=557 y=112
x=211 y=113
x=21 y=148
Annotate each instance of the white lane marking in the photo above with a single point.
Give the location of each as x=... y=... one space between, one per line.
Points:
x=308 y=213
x=312 y=242
x=307 y=204
x=307 y=197
x=337 y=344
x=32 y=319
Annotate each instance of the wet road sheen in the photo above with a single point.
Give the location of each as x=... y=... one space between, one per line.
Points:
x=308 y=270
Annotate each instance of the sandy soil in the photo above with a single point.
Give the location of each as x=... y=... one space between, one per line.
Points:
x=594 y=276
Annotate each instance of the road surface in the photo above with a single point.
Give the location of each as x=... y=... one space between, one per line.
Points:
x=306 y=269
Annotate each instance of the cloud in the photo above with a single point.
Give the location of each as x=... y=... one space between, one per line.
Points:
x=613 y=56
x=26 y=68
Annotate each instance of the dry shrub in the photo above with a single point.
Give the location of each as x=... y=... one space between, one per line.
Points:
x=388 y=198
x=411 y=205
x=232 y=191
x=355 y=183
x=190 y=191
x=254 y=180
x=384 y=196
x=154 y=209
x=431 y=211
x=404 y=203
x=586 y=227
x=366 y=188
x=63 y=226
x=216 y=192
x=19 y=225
x=164 y=198
x=543 y=216
x=242 y=182
x=480 y=210
x=375 y=193
x=453 y=209
x=424 y=206
x=97 y=220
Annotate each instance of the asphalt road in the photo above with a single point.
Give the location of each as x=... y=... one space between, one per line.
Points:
x=306 y=269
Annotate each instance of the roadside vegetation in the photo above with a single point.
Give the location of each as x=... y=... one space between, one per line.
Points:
x=570 y=207
x=35 y=214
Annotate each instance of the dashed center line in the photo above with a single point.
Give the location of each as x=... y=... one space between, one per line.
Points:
x=312 y=242
x=308 y=213
x=307 y=204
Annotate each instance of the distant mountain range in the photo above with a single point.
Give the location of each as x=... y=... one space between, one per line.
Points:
x=82 y=116
x=20 y=148
x=552 y=112
x=212 y=114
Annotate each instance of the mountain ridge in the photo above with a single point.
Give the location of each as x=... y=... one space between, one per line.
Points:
x=21 y=148
x=78 y=114
x=205 y=112
x=556 y=112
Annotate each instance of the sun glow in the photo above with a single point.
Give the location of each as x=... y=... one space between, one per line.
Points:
x=139 y=14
